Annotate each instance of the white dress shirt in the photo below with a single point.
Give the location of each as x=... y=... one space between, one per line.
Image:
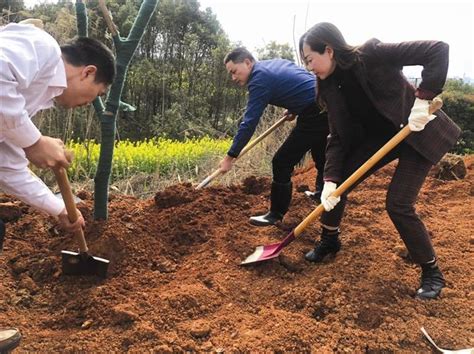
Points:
x=32 y=73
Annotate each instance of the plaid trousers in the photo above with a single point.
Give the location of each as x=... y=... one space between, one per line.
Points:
x=402 y=194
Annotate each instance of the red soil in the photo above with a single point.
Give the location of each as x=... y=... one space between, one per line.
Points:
x=175 y=283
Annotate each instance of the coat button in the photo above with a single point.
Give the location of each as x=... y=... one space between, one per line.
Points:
x=401 y=125
x=338 y=86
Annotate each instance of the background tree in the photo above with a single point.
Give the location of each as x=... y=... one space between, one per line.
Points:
x=458 y=99
x=11 y=10
x=177 y=80
x=273 y=50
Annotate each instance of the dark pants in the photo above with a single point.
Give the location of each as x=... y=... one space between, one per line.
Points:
x=403 y=190
x=310 y=133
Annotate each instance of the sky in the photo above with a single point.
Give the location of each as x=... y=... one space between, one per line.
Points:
x=254 y=23
x=257 y=22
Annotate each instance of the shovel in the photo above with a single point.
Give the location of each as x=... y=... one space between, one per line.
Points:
x=74 y=263
x=263 y=253
x=217 y=172
x=445 y=351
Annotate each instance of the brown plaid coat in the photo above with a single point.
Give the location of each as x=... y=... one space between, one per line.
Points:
x=379 y=73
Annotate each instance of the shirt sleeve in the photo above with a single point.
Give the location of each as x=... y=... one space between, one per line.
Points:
x=19 y=65
x=18 y=180
x=259 y=96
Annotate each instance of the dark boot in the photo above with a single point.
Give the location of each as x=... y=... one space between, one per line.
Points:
x=328 y=246
x=2 y=234
x=280 y=199
x=432 y=281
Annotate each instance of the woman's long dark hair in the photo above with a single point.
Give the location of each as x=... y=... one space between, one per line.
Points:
x=325 y=34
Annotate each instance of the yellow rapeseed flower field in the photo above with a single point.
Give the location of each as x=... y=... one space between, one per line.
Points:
x=163 y=156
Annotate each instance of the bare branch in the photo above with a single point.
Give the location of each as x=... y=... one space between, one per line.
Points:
x=108 y=18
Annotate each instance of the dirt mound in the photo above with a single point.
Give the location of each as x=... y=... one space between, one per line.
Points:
x=255 y=185
x=175 y=283
x=176 y=195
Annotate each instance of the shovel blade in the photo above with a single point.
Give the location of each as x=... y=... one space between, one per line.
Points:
x=74 y=263
x=77 y=200
x=265 y=253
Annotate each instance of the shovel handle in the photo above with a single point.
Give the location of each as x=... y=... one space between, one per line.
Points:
x=435 y=105
x=254 y=142
x=209 y=178
x=68 y=198
x=261 y=137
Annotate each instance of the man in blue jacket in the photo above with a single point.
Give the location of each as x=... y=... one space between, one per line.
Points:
x=280 y=83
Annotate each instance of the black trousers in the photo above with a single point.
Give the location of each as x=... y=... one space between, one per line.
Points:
x=402 y=193
x=310 y=133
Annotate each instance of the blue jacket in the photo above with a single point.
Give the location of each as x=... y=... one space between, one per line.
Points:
x=277 y=82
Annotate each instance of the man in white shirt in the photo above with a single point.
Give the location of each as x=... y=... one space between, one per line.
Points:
x=35 y=72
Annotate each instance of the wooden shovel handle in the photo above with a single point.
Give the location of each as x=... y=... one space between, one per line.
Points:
x=254 y=142
x=209 y=178
x=261 y=137
x=68 y=198
x=435 y=105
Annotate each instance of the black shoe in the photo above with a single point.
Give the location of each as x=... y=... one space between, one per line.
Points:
x=432 y=281
x=316 y=196
x=9 y=339
x=327 y=247
x=270 y=218
x=280 y=199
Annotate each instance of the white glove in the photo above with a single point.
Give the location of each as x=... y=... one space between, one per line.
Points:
x=329 y=202
x=420 y=115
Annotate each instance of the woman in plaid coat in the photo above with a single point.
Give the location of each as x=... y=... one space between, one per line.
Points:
x=368 y=100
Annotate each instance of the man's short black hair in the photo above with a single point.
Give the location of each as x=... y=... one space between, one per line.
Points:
x=88 y=51
x=238 y=55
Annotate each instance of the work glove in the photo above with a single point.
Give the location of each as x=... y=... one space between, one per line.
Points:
x=420 y=115
x=327 y=201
